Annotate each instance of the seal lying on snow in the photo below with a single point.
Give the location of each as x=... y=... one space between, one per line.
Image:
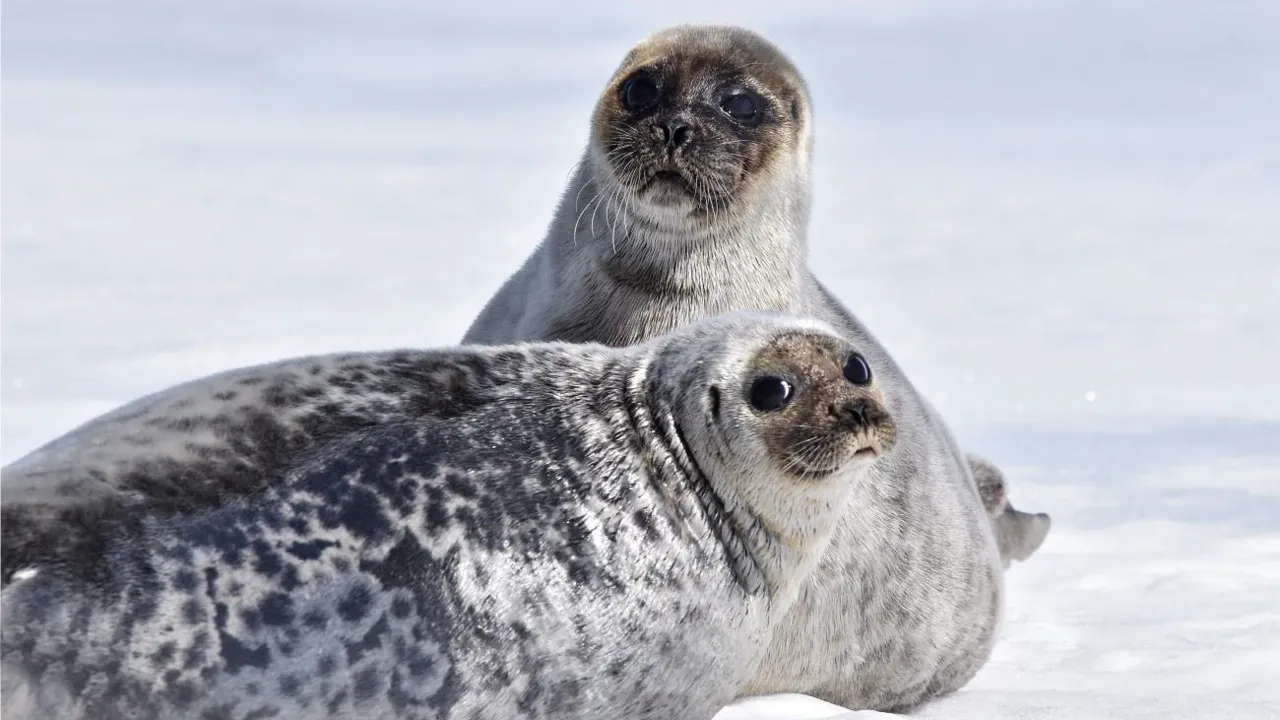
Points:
x=691 y=200
x=539 y=531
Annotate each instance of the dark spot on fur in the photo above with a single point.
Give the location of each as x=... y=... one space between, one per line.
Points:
x=237 y=655
x=326 y=666
x=336 y=702
x=181 y=694
x=437 y=515
x=400 y=608
x=192 y=612
x=164 y=654
x=403 y=567
x=219 y=712
x=370 y=641
x=315 y=619
x=263 y=713
x=366 y=684
x=228 y=539
x=251 y=620
x=362 y=515
x=356 y=604
x=289 y=579
x=310 y=550
x=197 y=653
x=185 y=581
x=289 y=685
x=459 y=485
x=225 y=395
x=275 y=395
x=269 y=563
x=644 y=521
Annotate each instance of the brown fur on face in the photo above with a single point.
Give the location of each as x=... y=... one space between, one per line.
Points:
x=829 y=420
x=694 y=67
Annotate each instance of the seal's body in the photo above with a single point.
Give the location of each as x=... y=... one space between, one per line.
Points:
x=546 y=531
x=692 y=199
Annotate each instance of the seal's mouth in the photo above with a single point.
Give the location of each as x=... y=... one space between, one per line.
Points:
x=668 y=176
x=687 y=183
x=667 y=187
x=806 y=471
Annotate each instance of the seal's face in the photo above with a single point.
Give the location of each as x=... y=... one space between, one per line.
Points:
x=694 y=115
x=815 y=405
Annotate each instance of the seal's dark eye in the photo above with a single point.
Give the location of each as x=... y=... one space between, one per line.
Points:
x=742 y=106
x=639 y=93
x=856 y=370
x=770 y=393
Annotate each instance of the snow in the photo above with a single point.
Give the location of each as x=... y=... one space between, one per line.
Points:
x=1062 y=217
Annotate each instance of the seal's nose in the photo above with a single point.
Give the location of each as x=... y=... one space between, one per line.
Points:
x=674 y=133
x=853 y=414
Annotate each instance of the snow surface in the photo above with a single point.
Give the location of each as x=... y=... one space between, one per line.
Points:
x=1062 y=217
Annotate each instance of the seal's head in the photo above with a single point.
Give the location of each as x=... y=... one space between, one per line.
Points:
x=813 y=401
x=698 y=121
x=780 y=414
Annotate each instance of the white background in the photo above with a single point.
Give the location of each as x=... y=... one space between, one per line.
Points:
x=1062 y=217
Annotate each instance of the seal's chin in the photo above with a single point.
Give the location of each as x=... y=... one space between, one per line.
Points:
x=670 y=190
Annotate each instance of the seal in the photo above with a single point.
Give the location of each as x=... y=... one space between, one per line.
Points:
x=530 y=531
x=692 y=199
x=1018 y=534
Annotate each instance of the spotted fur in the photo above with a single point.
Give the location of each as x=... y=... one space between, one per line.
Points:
x=906 y=604
x=544 y=531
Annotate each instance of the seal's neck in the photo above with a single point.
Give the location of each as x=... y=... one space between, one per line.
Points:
x=760 y=565
x=749 y=257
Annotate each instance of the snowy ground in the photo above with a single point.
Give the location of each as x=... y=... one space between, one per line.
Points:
x=1063 y=217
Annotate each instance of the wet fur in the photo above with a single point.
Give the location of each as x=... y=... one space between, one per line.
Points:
x=906 y=604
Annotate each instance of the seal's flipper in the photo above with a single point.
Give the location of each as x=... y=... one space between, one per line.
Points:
x=991 y=485
x=1018 y=534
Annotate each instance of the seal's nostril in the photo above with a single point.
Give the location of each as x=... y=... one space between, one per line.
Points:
x=675 y=133
x=855 y=413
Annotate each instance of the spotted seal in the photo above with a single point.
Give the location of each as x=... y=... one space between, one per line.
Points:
x=692 y=199
x=530 y=531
